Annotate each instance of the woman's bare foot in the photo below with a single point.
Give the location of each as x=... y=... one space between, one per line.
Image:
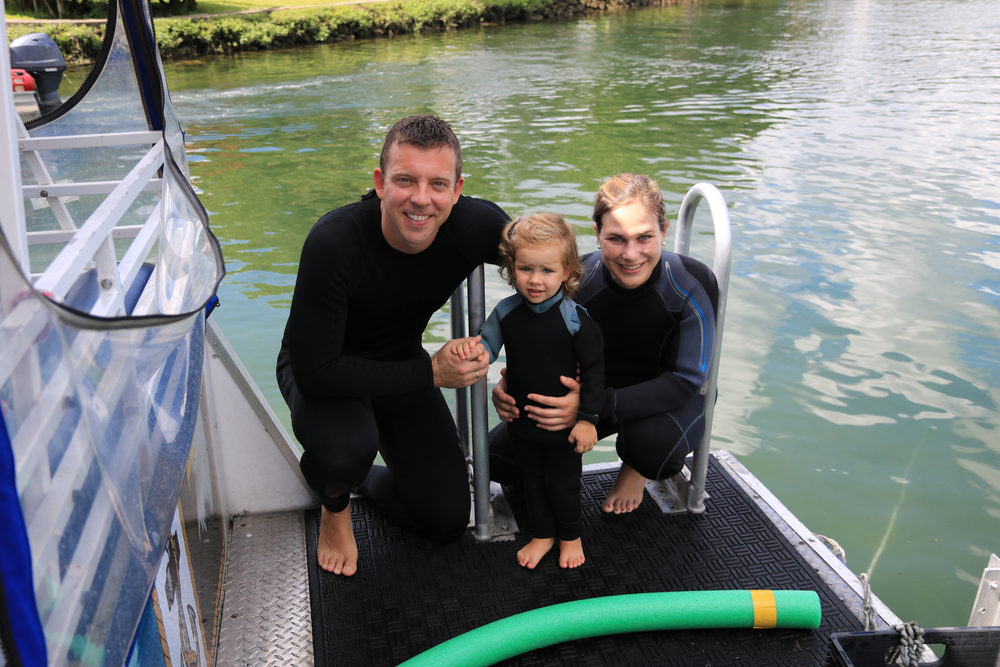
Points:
x=534 y=550
x=626 y=494
x=571 y=553
x=337 y=551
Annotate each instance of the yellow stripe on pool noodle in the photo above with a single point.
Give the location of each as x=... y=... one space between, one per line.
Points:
x=765 y=610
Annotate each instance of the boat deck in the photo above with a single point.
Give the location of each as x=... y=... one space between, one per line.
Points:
x=411 y=594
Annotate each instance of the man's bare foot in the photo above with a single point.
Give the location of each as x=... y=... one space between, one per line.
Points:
x=626 y=494
x=571 y=553
x=534 y=550
x=337 y=551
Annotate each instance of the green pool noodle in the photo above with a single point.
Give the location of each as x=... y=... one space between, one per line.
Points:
x=683 y=610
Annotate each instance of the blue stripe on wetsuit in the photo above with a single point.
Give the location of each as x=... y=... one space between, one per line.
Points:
x=697 y=308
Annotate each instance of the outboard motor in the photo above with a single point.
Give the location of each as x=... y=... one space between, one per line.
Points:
x=39 y=56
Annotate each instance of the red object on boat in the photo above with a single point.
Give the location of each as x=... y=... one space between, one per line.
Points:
x=22 y=81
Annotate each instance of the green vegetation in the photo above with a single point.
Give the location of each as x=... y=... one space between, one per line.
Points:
x=77 y=42
x=51 y=9
x=225 y=6
x=95 y=9
x=191 y=37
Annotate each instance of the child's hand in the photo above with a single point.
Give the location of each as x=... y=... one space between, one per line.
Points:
x=465 y=347
x=584 y=436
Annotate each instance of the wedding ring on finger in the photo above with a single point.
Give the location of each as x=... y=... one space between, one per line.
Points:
x=477 y=375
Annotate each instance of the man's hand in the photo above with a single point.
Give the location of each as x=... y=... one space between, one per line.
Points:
x=502 y=401
x=561 y=411
x=453 y=372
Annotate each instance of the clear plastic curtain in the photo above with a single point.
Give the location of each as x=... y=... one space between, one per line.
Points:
x=100 y=413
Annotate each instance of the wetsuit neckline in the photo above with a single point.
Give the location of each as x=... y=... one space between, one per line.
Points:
x=544 y=305
x=654 y=277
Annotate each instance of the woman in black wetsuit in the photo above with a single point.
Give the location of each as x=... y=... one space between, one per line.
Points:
x=656 y=312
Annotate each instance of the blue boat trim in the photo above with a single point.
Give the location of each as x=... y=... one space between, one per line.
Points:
x=16 y=581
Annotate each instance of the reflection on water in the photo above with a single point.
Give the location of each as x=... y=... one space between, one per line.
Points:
x=857 y=146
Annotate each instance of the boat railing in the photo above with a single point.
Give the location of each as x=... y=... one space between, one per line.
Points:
x=721 y=266
x=478 y=448
x=92 y=245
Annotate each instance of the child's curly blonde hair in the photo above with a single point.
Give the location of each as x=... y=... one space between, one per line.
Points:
x=541 y=229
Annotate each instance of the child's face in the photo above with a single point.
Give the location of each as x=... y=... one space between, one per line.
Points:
x=539 y=272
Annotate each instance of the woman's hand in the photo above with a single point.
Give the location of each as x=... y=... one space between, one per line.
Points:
x=502 y=401
x=561 y=411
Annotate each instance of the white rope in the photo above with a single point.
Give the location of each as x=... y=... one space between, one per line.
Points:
x=911 y=635
x=895 y=511
x=834 y=546
x=869 y=610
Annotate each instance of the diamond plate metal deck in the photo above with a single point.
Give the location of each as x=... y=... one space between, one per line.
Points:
x=266 y=619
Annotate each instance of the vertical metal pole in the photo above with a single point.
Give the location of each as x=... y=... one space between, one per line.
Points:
x=462 y=393
x=12 y=214
x=721 y=267
x=480 y=443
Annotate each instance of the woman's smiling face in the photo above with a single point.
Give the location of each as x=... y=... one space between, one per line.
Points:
x=630 y=240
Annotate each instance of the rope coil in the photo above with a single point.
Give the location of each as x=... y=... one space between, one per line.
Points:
x=911 y=635
x=911 y=644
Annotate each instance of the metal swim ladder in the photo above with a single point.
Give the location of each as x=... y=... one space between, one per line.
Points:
x=690 y=492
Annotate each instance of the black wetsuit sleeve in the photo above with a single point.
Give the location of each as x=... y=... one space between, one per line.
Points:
x=314 y=335
x=653 y=397
x=588 y=345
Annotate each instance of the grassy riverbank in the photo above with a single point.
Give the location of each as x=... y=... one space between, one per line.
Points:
x=181 y=37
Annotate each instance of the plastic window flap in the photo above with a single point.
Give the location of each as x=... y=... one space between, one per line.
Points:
x=100 y=415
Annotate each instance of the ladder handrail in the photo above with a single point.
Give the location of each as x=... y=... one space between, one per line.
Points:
x=721 y=267
x=480 y=430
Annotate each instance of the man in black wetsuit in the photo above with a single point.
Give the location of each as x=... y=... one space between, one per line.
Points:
x=352 y=368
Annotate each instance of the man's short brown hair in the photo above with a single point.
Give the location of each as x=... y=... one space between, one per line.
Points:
x=423 y=131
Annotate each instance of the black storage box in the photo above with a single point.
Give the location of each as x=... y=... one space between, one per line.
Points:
x=39 y=56
x=964 y=647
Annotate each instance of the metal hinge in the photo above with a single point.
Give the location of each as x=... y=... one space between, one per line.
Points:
x=986 y=610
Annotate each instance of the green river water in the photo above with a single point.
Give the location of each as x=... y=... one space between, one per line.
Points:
x=856 y=142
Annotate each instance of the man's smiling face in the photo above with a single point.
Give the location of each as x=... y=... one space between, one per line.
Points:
x=418 y=189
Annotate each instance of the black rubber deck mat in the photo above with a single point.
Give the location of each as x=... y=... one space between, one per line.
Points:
x=411 y=593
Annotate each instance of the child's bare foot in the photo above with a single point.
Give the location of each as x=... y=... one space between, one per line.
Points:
x=571 y=553
x=534 y=550
x=626 y=494
x=337 y=551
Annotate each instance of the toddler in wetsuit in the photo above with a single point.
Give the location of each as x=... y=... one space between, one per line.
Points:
x=546 y=335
